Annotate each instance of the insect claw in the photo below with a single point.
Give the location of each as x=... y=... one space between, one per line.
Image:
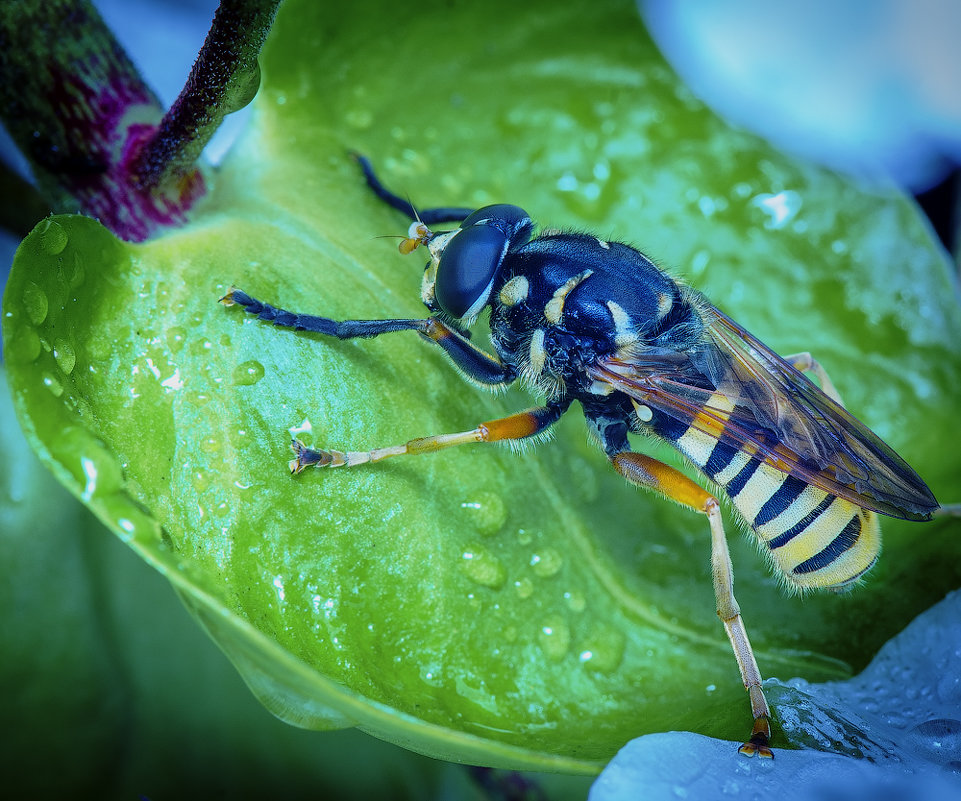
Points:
x=307 y=457
x=751 y=748
x=760 y=741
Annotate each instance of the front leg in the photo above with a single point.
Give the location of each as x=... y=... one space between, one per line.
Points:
x=473 y=362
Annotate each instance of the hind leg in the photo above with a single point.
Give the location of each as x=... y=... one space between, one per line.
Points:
x=652 y=474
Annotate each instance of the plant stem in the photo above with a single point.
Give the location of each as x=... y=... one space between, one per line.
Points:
x=95 y=134
x=69 y=97
x=224 y=79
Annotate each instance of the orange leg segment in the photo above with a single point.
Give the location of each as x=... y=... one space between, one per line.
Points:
x=516 y=426
x=665 y=480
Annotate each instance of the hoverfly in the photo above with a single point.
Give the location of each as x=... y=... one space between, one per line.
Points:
x=581 y=319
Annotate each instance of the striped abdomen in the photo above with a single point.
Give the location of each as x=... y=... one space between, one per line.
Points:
x=816 y=539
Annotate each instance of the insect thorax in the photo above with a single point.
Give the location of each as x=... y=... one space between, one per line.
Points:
x=564 y=300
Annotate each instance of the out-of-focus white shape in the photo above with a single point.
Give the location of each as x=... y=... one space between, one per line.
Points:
x=871 y=87
x=897 y=724
x=681 y=765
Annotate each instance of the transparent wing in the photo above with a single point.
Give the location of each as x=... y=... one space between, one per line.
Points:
x=738 y=391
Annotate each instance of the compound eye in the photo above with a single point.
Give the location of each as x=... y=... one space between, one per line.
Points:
x=467 y=269
x=513 y=221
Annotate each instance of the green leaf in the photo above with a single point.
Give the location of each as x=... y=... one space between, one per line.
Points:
x=98 y=658
x=477 y=605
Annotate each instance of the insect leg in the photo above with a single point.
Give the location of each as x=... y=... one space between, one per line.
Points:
x=475 y=363
x=342 y=329
x=426 y=216
x=517 y=426
x=647 y=472
x=805 y=362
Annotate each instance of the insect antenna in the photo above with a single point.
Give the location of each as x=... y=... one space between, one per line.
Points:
x=418 y=234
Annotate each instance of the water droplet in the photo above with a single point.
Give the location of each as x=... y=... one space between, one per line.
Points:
x=547 y=562
x=482 y=567
x=486 y=511
x=200 y=479
x=35 y=302
x=24 y=346
x=176 y=336
x=575 y=600
x=219 y=509
x=200 y=347
x=554 y=638
x=51 y=383
x=524 y=588
x=246 y=86
x=102 y=475
x=603 y=650
x=65 y=355
x=127 y=528
x=91 y=463
x=53 y=239
x=938 y=740
x=210 y=444
x=524 y=537
x=79 y=274
x=248 y=373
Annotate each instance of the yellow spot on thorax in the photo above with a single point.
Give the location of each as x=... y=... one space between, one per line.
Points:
x=555 y=306
x=515 y=291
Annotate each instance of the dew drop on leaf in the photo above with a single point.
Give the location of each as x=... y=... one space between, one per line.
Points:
x=486 y=511
x=200 y=479
x=176 y=336
x=53 y=239
x=547 y=562
x=53 y=384
x=554 y=638
x=24 y=346
x=65 y=355
x=35 y=302
x=482 y=567
x=210 y=444
x=603 y=650
x=248 y=373
x=576 y=601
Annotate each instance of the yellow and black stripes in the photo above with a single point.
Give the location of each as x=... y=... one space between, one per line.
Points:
x=813 y=537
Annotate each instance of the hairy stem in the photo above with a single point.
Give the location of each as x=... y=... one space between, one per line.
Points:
x=68 y=95
x=95 y=135
x=224 y=78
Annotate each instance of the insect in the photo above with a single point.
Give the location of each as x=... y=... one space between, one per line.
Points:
x=581 y=319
